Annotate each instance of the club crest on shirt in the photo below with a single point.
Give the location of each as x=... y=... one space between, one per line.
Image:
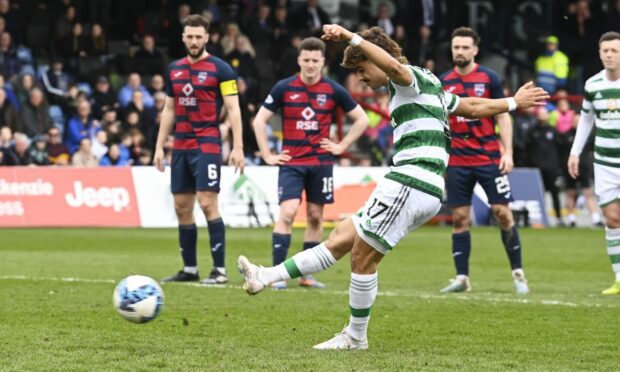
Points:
x=321 y=99
x=612 y=104
x=479 y=89
x=202 y=76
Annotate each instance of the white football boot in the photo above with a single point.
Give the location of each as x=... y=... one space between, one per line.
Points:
x=521 y=286
x=251 y=281
x=342 y=341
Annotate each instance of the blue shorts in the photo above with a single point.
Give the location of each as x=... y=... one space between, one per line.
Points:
x=318 y=181
x=194 y=171
x=461 y=182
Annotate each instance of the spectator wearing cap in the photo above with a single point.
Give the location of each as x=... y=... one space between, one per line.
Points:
x=551 y=67
x=80 y=126
x=38 y=150
x=35 y=114
x=134 y=82
x=57 y=151
x=104 y=98
x=148 y=60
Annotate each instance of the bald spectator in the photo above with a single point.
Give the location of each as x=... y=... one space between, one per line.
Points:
x=80 y=126
x=84 y=157
x=148 y=60
x=35 y=114
x=134 y=82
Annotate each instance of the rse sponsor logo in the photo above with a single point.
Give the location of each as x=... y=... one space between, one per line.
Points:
x=307 y=125
x=187 y=101
x=116 y=198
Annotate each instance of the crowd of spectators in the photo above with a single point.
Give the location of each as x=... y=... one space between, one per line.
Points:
x=82 y=82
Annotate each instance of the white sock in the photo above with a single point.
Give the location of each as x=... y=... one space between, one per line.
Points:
x=305 y=262
x=461 y=278
x=362 y=294
x=613 y=249
x=191 y=269
x=596 y=218
x=221 y=270
x=572 y=218
x=518 y=273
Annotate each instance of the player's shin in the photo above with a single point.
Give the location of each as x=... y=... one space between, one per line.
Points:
x=280 y=245
x=362 y=294
x=461 y=248
x=307 y=262
x=512 y=245
x=613 y=250
x=217 y=237
x=188 y=235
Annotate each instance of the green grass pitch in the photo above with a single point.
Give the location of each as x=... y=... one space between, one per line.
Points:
x=51 y=322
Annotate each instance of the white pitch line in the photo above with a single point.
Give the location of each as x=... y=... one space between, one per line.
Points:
x=481 y=296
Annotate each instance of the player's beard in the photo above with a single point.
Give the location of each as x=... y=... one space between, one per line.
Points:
x=462 y=62
x=196 y=54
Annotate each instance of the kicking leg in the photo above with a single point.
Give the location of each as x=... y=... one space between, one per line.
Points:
x=310 y=261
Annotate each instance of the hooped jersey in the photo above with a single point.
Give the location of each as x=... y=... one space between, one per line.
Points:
x=421 y=131
x=601 y=104
x=474 y=141
x=307 y=116
x=197 y=89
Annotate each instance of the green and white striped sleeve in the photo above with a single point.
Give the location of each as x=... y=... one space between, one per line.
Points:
x=452 y=101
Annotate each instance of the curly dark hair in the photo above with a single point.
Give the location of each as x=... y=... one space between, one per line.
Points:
x=353 y=56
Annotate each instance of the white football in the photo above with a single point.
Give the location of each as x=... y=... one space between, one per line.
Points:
x=138 y=298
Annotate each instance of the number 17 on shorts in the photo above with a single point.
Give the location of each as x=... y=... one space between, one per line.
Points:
x=392 y=211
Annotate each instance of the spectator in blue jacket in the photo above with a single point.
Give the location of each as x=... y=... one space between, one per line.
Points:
x=134 y=82
x=80 y=126
x=113 y=158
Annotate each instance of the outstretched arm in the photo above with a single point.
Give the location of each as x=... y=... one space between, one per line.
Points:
x=396 y=71
x=527 y=96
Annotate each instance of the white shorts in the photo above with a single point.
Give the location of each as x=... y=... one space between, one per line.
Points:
x=391 y=212
x=606 y=184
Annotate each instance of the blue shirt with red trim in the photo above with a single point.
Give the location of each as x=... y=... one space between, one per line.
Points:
x=474 y=141
x=197 y=89
x=307 y=116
